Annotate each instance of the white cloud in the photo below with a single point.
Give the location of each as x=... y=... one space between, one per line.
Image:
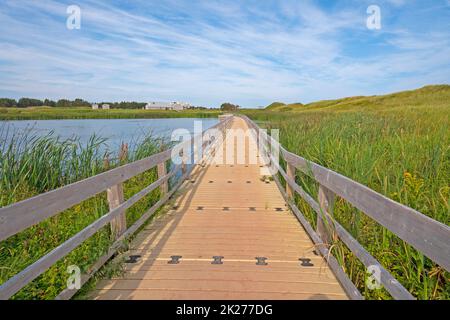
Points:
x=206 y=55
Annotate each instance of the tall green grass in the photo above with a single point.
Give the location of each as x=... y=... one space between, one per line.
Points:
x=30 y=165
x=402 y=152
x=44 y=113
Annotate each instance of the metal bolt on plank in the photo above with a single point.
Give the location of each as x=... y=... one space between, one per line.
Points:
x=306 y=262
x=261 y=261
x=133 y=258
x=175 y=259
x=217 y=260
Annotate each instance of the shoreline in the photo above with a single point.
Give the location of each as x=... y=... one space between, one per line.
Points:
x=51 y=113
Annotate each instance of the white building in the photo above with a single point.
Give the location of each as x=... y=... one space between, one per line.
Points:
x=105 y=106
x=158 y=106
x=94 y=106
x=176 y=106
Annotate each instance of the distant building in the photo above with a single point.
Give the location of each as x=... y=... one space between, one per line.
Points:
x=105 y=106
x=181 y=105
x=176 y=106
x=94 y=106
x=157 y=106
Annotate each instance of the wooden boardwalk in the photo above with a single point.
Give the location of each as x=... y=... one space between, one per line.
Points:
x=234 y=232
x=232 y=213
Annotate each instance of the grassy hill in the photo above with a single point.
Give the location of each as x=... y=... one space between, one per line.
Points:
x=436 y=95
x=275 y=106
x=279 y=106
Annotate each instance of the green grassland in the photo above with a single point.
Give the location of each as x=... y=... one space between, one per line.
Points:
x=398 y=145
x=43 y=113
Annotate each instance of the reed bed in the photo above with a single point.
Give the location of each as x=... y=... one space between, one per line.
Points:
x=31 y=164
x=399 y=147
x=48 y=113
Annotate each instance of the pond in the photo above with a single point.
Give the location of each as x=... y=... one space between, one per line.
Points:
x=115 y=131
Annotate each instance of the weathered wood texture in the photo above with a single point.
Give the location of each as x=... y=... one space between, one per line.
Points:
x=10 y=222
x=429 y=236
x=290 y=172
x=17 y=282
x=229 y=211
x=161 y=173
x=19 y=216
x=24 y=214
x=324 y=224
x=401 y=220
x=386 y=279
x=115 y=199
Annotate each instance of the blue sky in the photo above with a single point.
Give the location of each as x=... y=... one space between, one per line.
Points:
x=250 y=52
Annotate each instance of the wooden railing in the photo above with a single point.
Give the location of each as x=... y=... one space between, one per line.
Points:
x=24 y=214
x=428 y=236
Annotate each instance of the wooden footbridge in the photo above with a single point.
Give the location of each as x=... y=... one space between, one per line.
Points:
x=232 y=231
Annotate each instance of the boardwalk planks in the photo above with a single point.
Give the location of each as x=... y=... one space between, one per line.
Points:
x=230 y=235
x=228 y=211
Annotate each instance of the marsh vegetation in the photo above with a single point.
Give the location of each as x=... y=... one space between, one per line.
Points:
x=398 y=145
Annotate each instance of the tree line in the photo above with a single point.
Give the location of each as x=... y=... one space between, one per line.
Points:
x=66 y=103
x=229 y=107
x=30 y=102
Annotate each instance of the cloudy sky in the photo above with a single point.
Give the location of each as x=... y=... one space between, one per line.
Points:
x=250 y=52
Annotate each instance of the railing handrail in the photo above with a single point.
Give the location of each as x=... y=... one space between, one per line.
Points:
x=428 y=236
x=24 y=214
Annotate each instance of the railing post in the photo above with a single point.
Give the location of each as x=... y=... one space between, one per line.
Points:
x=290 y=172
x=161 y=173
x=183 y=164
x=324 y=222
x=115 y=199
